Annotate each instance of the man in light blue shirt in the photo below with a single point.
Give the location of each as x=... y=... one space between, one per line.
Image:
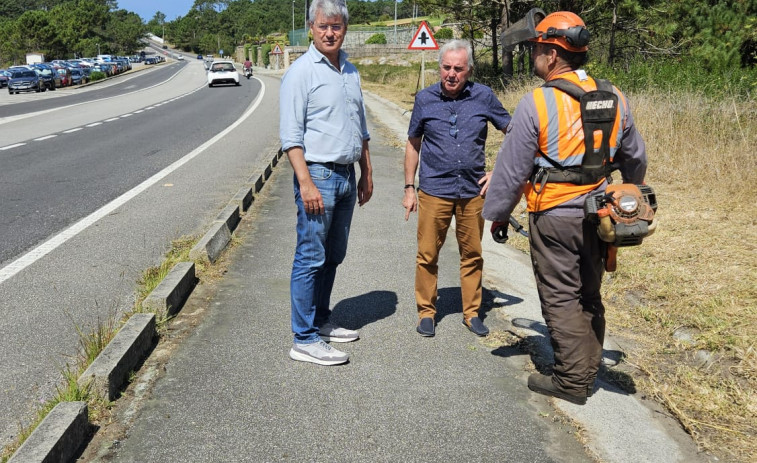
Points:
x=324 y=132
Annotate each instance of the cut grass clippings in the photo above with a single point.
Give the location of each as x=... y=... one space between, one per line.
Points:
x=695 y=275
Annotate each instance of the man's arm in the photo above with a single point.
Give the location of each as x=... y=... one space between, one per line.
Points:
x=412 y=155
x=365 y=185
x=311 y=196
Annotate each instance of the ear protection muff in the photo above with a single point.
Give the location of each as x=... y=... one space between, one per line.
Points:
x=576 y=36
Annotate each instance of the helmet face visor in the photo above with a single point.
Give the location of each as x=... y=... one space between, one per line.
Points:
x=523 y=30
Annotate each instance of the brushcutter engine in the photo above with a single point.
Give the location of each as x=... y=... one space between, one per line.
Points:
x=624 y=213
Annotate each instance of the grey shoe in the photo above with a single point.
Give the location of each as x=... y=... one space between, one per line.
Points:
x=318 y=352
x=333 y=333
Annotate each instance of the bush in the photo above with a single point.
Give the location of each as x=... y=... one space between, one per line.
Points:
x=444 y=33
x=96 y=75
x=376 y=39
x=266 y=57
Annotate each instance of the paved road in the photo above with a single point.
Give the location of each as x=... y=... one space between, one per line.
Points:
x=229 y=392
x=88 y=275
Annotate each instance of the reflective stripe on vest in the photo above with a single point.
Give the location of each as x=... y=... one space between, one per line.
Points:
x=561 y=138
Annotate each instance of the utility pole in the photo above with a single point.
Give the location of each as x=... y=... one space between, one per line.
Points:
x=395 y=22
x=292 y=41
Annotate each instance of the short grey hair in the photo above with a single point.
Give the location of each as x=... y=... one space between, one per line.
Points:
x=329 y=8
x=454 y=45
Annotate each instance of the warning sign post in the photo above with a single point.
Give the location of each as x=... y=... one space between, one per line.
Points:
x=423 y=40
x=277 y=52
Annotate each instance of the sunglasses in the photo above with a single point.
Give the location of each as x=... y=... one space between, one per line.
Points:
x=453 y=121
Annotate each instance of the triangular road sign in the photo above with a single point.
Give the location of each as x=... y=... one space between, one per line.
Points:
x=277 y=50
x=423 y=39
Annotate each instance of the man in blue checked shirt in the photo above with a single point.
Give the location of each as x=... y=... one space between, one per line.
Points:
x=324 y=132
x=446 y=136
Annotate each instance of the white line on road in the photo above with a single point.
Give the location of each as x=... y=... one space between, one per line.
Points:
x=94 y=124
x=127 y=115
x=112 y=119
x=50 y=245
x=72 y=130
x=45 y=137
x=12 y=146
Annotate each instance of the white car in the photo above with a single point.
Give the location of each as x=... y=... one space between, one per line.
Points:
x=222 y=72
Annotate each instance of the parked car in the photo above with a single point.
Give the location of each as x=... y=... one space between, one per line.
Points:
x=110 y=68
x=199 y=56
x=4 y=76
x=48 y=75
x=24 y=80
x=104 y=68
x=78 y=77
x=222 y=72
x=65 y=75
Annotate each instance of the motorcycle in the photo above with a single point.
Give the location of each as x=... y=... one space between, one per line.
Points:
x=248 y=72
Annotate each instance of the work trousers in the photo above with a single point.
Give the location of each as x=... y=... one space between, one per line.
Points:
x=567 y=257
x=434 y=218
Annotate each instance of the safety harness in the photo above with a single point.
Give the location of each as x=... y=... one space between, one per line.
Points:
x=598 y=111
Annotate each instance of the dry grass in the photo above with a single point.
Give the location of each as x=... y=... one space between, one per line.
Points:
x=695 y=275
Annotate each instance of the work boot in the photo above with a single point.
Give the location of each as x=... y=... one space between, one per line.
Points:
x=545 y=385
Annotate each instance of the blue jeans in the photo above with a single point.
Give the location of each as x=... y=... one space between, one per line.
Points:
x=321 y=247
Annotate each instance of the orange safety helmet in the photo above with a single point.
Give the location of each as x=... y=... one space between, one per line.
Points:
x=564 y=29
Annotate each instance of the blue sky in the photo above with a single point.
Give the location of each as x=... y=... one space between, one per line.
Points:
x=147 y=8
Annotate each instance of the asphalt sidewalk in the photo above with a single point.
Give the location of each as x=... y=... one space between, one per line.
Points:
x=229 y=392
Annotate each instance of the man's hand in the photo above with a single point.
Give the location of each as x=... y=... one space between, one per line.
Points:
x=311 y=198
x=499 y=232
x=484 y=182
x=364 y=188
x=410 y=202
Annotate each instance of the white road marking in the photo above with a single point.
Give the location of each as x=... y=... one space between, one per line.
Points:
x=50 y=245
x=45 y=138
x=112 y=119
x=94 y=124
x=73 y=130
x=12 y=146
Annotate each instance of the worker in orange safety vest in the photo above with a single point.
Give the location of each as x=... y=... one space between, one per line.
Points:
x=547 y=156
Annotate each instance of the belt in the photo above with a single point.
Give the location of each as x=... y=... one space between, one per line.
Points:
x=330 y=165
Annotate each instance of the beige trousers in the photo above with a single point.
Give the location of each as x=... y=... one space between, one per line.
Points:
x=434 y=218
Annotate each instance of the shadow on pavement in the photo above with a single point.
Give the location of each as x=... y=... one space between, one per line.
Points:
x=356 y=312
x=539 y=349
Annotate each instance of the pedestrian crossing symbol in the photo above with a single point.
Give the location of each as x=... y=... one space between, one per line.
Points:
x=423 y=39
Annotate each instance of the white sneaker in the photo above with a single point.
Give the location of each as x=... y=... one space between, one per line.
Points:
x=318 y=352
x=333 y=333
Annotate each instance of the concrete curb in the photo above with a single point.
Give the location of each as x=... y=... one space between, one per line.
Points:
x=58 y=437
x=173 y=291
x=110 y=370
x=243 y=199
x=212 y=243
